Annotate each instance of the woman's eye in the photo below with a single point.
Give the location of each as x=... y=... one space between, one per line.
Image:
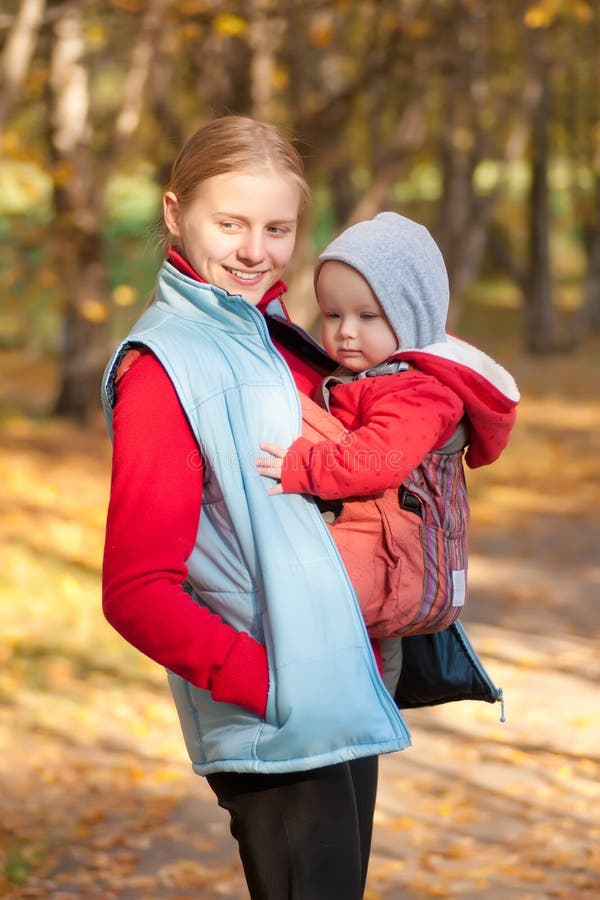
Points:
x=277 y=229
x=229 y=226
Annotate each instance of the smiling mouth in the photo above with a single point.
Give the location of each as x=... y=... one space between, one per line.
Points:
x=244 y=276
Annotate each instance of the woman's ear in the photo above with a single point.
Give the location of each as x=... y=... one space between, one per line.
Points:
x=171 y=213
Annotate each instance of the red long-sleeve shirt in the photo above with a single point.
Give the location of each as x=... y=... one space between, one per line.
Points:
x=155 y=502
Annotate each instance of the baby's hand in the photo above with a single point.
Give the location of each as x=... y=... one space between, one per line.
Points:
x=271 y=466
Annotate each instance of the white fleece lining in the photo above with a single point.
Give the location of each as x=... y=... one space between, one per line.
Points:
x=461 y=352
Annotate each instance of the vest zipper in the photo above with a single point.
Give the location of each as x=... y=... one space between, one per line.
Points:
x=385 y=697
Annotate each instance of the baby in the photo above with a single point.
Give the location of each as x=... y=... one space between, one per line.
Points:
x=404 y=390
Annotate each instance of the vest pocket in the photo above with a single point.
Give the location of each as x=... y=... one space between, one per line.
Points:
x=213 y=731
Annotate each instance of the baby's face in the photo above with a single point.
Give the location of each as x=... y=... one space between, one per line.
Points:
x=355 y=330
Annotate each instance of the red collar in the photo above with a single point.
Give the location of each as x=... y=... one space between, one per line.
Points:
x=182 y=265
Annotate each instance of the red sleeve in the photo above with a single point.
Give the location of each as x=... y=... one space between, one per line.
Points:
x=156 y=495
x=395 y=426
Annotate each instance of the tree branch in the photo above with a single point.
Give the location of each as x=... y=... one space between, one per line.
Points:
x=137 y=77
x=18 y=51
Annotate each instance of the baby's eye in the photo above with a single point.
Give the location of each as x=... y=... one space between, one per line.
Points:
x=332 y=315
x=368 y=316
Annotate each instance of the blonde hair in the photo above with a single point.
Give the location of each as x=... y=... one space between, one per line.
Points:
x=232 y=144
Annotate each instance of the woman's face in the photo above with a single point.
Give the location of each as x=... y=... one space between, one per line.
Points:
x=239 y=230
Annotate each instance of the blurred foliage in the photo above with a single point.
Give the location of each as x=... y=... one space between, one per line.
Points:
x=429 y=107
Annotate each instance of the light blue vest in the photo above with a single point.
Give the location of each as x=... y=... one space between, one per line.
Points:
x=266 y=564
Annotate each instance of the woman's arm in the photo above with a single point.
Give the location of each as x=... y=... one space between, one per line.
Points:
x=153 y=514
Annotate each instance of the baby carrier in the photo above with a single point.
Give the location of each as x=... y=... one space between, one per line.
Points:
x=405 y=549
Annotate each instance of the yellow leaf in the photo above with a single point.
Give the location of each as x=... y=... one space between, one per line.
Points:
x=62 y=174
x=124 y=295
x=10 y=142
x=321 y=32
x=191 y=31
x=582 y=11
x=192 y=7
x=96 y=36
x=163 y=775
x=418 y=28
x=280 y=77
x=541 y=15
x=482 y=871
x=128 y=5
x=187 y=873
x=46 y=277
x=229 y=26
x=93 y=310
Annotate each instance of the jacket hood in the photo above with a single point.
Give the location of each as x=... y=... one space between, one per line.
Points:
x=488 y=391
x=405 y=269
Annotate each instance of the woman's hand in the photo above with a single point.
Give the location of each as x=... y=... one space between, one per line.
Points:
x=271 y=466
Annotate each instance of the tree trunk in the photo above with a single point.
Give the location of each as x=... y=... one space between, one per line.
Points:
x=161 y=91
x=79 y=195
x=342 y=191
x=591 y=303
x=583 y=106
x=262 y=40
x=78 y=240
x=463 y=215
x=540 y=314
x=142 y=59
x=84 y=349
x=588 y=316
x=17 y=53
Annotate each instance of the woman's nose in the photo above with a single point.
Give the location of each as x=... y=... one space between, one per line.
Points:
x=252 y=248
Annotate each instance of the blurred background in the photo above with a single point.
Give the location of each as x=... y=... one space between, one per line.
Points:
x=479 y=119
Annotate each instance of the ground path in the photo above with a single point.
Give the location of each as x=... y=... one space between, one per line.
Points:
x=96 y=795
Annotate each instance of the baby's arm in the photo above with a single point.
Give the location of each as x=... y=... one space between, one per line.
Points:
x=398 y=429
x=354 y=466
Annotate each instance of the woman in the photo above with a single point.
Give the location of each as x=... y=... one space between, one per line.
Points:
x=244 y=601
x=242 y=596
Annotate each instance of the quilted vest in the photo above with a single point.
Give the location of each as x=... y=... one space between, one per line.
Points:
x=266 y=564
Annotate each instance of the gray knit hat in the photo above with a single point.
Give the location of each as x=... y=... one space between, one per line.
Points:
x=405 y=269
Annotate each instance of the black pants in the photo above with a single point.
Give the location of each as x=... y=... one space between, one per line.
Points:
x=303 y=835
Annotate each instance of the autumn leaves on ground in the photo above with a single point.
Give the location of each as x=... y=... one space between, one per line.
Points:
x=96 y=796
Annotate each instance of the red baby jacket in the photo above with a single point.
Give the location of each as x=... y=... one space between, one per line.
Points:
x=393 y=421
